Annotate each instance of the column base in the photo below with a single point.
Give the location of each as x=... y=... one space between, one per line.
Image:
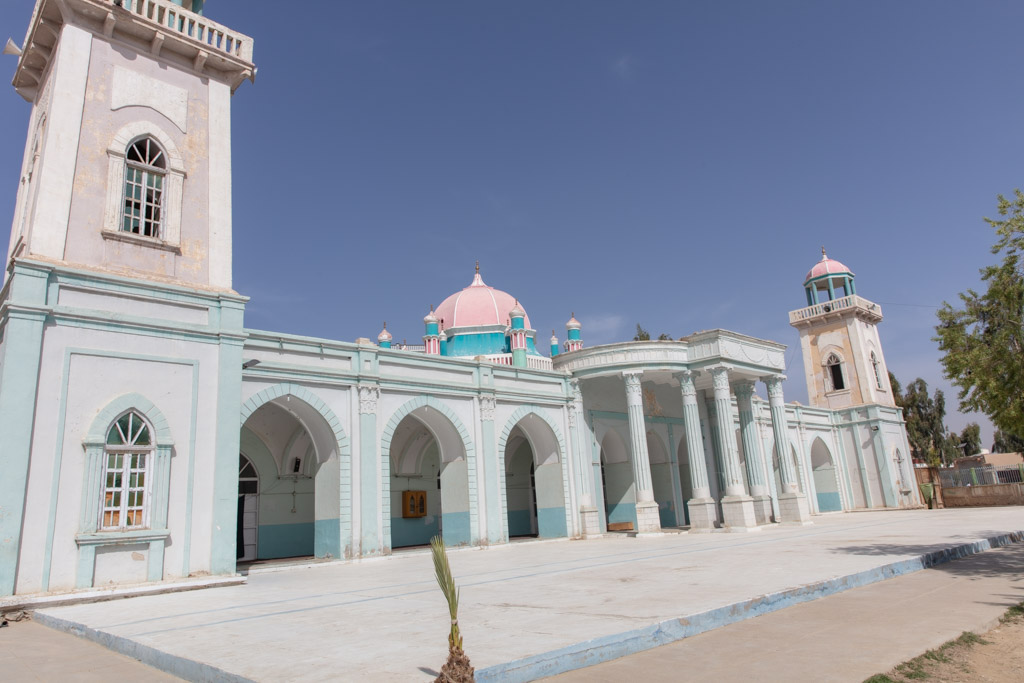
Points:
x=793 y=509
x=590 y=521
x=702 y=515
x=647 y=517
x=738 y=513
x=763 y=509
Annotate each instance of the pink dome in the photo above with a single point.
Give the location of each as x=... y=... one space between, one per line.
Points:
x=478 y=304
x=826 y=266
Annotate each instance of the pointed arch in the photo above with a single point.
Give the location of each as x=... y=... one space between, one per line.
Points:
x=521 y=413
x=325 y=536
x=436 y=428
x=97 y=433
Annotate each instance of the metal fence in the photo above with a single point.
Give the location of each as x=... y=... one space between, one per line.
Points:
x=982 y=476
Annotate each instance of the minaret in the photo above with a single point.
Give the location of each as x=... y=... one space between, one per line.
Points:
x=518 y=335
x=127 y=166
x=842 y=353
x=554 y=344
x=384 y=338
x=574 y=341
x=432 y=336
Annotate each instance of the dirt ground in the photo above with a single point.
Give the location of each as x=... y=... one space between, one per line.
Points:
x=993 y=657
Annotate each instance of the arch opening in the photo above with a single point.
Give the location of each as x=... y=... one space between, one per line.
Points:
x=289 y=483
x=826 y=482
x=429 y=481
x=662 y=480
x=534 y=486
x=617 y=482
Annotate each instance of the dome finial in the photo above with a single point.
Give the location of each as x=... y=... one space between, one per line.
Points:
x=478 y=265
x=824 y=256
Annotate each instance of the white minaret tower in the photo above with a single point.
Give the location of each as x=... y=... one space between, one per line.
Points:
x=843 y=359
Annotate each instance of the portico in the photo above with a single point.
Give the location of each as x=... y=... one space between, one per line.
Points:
x=638 y=389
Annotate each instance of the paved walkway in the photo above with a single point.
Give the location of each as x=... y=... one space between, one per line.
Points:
x=386 y=620
x=849 y=636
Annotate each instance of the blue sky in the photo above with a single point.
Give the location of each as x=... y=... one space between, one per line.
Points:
x=676 y=164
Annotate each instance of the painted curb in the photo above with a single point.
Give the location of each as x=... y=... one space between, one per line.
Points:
x=588 y=653
x=173 y=664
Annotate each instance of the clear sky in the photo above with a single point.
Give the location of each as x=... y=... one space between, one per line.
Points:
x=677 y=164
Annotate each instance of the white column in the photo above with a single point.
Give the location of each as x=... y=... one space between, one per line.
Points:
x=590 y=520
x=792 y=504
x=647 y=517
x=737 y=506
x=701 y=507
x=744 y=391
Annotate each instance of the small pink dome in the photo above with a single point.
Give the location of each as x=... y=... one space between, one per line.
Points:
x=478 y=304
x=573 y=323
x=384 y=334
x=826 y=266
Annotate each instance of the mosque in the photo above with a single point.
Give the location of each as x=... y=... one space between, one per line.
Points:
x=150 y=436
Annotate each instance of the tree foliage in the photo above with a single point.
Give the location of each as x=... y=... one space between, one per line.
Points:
x=983 y=341
x=925 y=417
x=1004 y=442
x=644 y=335
x=970 y=439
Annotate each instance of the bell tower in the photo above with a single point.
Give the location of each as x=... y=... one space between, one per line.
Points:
x=843 y=360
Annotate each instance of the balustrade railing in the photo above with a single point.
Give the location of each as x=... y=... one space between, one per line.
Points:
x=199 y=28
x=851 y=301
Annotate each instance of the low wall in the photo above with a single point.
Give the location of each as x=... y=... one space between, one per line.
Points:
x=978 y=496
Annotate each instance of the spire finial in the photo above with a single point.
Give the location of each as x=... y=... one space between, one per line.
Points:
x=823 y=254
x=431 y=308
x=478 y=265
x=385 y=324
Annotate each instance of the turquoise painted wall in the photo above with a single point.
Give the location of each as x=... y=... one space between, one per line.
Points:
x=519 y=495
x=409 y=531
x=551 y=522
x=621 y=512
x=480 y=344
x=455 y=528
x=620 y=498
x=661 y=477
x=285 y=540
x=829 y=502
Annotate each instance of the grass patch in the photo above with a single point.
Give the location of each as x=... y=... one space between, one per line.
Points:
x=1015 y=613
x=917 y=669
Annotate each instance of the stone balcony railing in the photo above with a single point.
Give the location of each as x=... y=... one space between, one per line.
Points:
x=211 y=34
x=851 y=303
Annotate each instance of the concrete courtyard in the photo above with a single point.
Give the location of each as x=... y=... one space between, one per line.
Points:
x=527 y=609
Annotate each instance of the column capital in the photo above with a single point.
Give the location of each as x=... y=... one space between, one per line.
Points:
x=744 y=389
x=686 y=378
x=774 y=385
x=720 y=378
x=633 y=385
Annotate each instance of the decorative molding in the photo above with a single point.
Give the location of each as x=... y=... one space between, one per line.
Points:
x=487 y=404
x=368 y=395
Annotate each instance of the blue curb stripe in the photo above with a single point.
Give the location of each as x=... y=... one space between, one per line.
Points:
x=603 y=649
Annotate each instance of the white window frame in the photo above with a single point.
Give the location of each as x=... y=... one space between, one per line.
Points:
x=827 y=374
x=174 y=180
x=127 y=456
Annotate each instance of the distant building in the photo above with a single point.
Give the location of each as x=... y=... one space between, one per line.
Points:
x=149 y=435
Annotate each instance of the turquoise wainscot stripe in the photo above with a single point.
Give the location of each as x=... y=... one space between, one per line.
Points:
x=285 y=540
x=455 y=526
x=551 y=523
x=327 y=537
x=415 y=531
x=622 y=512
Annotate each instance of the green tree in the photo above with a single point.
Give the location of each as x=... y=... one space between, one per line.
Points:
x=970 y=439
x=1003 y=442
x=983 y=341
x=641 y=334
x=925 y=417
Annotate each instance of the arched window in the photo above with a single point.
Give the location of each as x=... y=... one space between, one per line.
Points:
x=128 y=450
x=145 y=167
x=834 y=373
x=877 y=367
